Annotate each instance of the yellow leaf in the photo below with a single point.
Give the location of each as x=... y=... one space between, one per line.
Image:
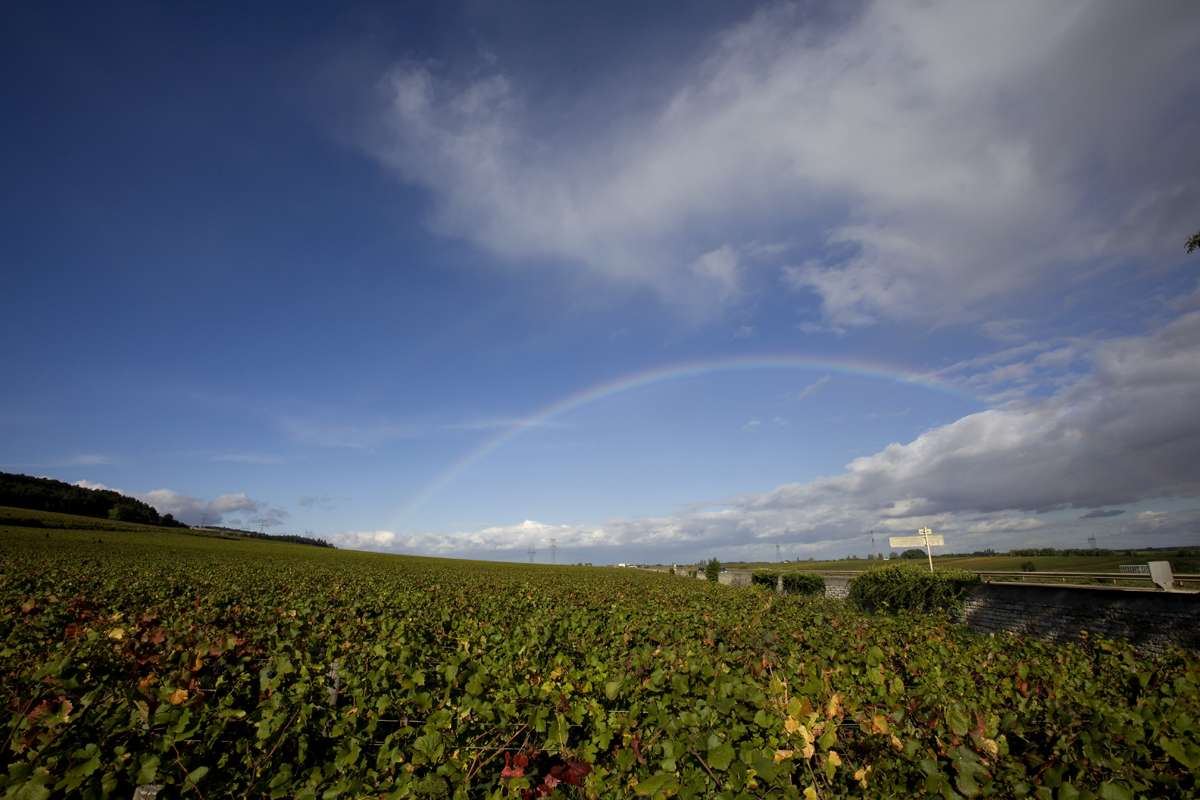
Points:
x=879 y=724
x=179 y=697
x=896 y=744
x=791 y=726
x=859 y=774
x=991 y=746
x=780 y=755
x=835 y=706
x=810 y=794
x=834 y=758
x=808 y=750
x=117 y=633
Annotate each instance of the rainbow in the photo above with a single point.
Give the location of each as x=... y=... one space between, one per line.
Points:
x=675 y=372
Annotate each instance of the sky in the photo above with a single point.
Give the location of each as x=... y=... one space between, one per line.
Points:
x=610 y=282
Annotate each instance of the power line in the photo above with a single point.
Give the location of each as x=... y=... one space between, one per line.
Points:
x=553 y=552
x=531 y=553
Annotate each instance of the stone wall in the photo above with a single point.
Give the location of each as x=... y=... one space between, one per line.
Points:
x=837 y=587
x=735 y=577
x=1151 y=621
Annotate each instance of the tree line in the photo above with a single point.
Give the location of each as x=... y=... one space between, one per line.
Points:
x=47 y=494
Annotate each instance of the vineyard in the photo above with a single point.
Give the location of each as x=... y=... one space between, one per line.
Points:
x=221 y=668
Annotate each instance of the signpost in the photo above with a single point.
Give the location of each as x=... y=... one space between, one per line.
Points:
x=926 y=538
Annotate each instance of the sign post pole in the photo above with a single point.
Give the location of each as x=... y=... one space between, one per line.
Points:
x=926 y=538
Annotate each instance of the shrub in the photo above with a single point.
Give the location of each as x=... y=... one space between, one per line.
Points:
x=913 y=553
x=806 y=583
x=1028 y=566
x=765 y=577
x=902 y=586
x=712 y=573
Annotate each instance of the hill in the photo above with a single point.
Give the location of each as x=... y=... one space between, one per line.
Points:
x=50 y=521
x=47 y=494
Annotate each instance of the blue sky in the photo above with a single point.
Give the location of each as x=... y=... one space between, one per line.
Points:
x=660 y=282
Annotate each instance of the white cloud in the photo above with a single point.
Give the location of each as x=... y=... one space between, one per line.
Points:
x=1006 y=524
x=930 y=157
x=814 y=386
x=364 y=540
x=194 y=511
x=1179 y=526
x=232 y=502
x=273 y=518
x=1124 y=433
x=97 y=486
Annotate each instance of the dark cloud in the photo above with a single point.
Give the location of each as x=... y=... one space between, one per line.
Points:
x=1098 y=513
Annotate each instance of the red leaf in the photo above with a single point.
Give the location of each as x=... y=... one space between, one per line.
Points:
x=573 y=772
x=509 y=770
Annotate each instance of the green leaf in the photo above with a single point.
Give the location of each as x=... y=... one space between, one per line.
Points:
x=1113 y=791
x=1185 y=753
x=612 y=689
x=34 y=787
x=662 y=784
x=148 y=770
x=970 y=771
x=721 y=756
x=958 y=721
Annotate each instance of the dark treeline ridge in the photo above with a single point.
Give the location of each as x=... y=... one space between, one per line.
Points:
x=1071 y=551
x=47 y=494
x=280 y=537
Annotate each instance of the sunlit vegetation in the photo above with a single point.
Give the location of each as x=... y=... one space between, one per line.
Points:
x=262 y=669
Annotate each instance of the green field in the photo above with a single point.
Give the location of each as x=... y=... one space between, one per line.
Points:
x=147 y=655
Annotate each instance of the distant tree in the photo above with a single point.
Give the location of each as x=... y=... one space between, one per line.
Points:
x=893 y=554
x=913 y=553
x=712 y=573
x=1193 y=243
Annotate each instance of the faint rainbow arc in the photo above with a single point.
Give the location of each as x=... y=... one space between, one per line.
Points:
x=659 y=375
